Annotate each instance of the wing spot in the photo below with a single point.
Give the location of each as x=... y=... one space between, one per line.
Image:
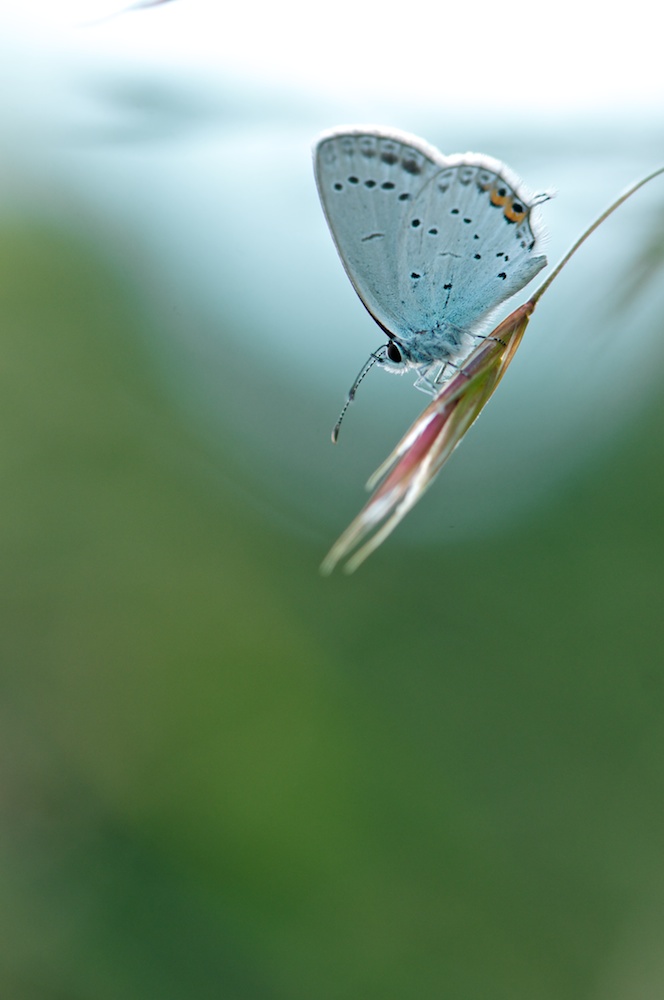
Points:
x=415 y=223
x=387 y=186
x=499 y=198
x=502 y=275
x=411 y=166
x=338 y=186
x=447 y=287
x=406 y=196
x=414 y=274
x=467 y=220
x=353 y=180
x=433 y=232
x=369 y=184
x=478 y=256
x=454 y=211
x=389 y=158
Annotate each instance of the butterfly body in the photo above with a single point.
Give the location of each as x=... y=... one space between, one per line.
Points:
x=431 y=243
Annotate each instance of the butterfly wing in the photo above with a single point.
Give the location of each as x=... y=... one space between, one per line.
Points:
x=430 y=243
x=367 y=182
x=469 y=244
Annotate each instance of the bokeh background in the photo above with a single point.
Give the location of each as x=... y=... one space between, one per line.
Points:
x=221 y=775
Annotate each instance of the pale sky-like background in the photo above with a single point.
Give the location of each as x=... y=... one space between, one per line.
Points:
x=547 y=57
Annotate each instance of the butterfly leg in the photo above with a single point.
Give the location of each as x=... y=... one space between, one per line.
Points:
x=430 y=376
x=424 y=381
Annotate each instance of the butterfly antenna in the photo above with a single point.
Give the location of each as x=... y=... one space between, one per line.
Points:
x=374 y=359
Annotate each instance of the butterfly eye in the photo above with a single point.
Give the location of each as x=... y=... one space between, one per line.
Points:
x=393 y=353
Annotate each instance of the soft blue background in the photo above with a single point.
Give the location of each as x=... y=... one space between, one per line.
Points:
x=221 y=775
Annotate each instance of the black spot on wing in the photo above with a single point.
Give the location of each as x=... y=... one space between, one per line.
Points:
x=411 y=166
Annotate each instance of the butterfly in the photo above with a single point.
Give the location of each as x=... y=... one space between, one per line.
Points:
x=432 y=244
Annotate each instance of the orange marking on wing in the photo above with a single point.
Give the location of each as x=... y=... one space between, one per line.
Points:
x=512 y=214
x=500 y=196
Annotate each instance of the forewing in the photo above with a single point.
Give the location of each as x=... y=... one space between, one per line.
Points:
x=368 y=181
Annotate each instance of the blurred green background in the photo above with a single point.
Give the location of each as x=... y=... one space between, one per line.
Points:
x=223 y=776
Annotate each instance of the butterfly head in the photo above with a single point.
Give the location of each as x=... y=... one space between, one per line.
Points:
x=394 y=354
